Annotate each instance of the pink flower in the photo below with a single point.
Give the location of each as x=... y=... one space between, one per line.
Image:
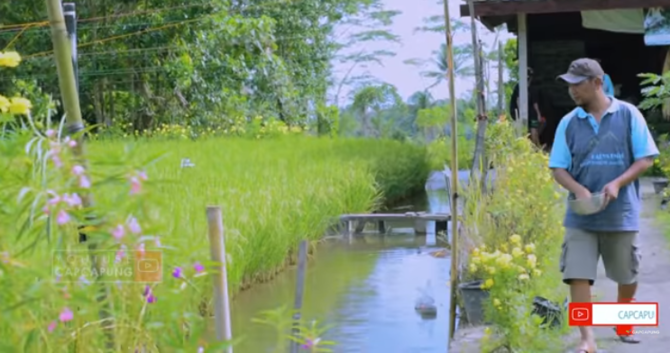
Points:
x=140 y=249
x=84 y=182
x=198 y=267
x=54 y=200
x=71 y=143
x=57 y=162
x=134 y=226
x=73 y=200
x=65 y=315
x=62 y=217
x=120 y=254
x=119 y=232
x=45 y=209
x=52 y=326
x=50 y=133
x=142 y=175
x=78 y=170
x=135 y=186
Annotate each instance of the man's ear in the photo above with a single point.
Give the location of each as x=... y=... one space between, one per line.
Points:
x=598 y=81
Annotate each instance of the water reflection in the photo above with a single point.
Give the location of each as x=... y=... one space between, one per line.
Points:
x=366 y=290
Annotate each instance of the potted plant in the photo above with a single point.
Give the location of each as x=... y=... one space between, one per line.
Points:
x=473 y=290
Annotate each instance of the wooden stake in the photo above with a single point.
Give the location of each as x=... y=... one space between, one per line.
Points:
x=220 y=275
x=299 y=293
x=454 y=174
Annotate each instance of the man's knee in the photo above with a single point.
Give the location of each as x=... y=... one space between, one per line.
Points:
x=621 y=256
x=579 y=256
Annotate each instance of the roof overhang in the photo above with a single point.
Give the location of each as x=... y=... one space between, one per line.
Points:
x=497 y=8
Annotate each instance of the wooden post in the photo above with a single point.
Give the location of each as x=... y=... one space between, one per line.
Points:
x=454 y=170
x=501 y=83
x=522 y=46
x=220 y=275
x=74 y=124
x=299 y=293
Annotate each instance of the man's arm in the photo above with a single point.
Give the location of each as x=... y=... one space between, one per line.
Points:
x=644 y=149
x=560 y=161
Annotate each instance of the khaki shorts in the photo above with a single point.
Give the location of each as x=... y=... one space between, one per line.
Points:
x=582 y=250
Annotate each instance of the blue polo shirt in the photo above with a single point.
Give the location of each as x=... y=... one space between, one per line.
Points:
x=595 y=154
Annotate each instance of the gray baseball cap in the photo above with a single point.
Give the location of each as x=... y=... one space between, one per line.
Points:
x=582 y=69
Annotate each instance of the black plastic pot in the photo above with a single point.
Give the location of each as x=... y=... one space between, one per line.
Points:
x=550 y=312
x=473 y=299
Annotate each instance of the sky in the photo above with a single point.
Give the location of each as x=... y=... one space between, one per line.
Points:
x=406 y=78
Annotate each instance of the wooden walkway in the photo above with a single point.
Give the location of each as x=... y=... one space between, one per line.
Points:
x=355 y=223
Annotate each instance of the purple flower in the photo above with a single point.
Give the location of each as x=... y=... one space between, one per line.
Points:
x=62 y=217
x=52 y=326
x=309 y=344
x=177 y=272
x=147 y=291
x=65 y=315
x=84 y=182
x=118 y=232
x=134 y=226
x=78 y=170
x=198 y=267
x=151 y=299
x=73 y=201
x=50 y=133
x=157 y=241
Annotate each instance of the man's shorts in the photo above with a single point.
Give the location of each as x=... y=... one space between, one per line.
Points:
x=582 y=250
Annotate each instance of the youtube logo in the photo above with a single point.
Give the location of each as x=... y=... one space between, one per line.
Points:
x=579 y=314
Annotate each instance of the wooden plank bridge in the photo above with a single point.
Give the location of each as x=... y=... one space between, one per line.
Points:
x=355 y=223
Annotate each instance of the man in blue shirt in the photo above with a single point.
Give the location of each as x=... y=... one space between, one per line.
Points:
x=603 y=145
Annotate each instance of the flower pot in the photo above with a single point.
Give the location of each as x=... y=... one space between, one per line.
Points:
x=473 y=299
x=660 y=185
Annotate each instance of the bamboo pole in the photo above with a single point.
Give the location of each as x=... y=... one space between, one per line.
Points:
x=219 y=276
x=501 y=83
x=299 y=293
x=74 y=125
x=454 y=174
x=479 y=167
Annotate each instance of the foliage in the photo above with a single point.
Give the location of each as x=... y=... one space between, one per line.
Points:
x=206 y=63
x=522 y=213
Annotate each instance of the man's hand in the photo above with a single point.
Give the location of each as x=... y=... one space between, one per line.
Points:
x=611 y=191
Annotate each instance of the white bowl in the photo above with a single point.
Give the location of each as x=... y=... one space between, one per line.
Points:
x=589 y=206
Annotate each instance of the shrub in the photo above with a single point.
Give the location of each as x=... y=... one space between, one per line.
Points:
x=515 y=234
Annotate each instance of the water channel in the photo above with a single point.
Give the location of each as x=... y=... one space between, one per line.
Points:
x=365 y=290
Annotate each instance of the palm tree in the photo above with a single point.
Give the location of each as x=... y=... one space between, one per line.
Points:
x=463 y=65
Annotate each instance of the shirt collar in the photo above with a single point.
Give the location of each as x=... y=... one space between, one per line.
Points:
x=582 y=114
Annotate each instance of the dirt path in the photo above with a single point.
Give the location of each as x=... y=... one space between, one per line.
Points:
x=654 y=286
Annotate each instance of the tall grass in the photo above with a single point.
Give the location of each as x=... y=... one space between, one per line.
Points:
x=273 y=192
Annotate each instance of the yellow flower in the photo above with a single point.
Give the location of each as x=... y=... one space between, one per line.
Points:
x=537 y=272
x=496 y=302
x=490 y=270
x=516 y=252
x=19 y=106
x=524 y=276
x=515 y=239
x=504 y=260
x=532 y=261
x=476 y=260
x=504 y=248
x=530 y=248
x=475 y=252
x=10 y=59
x=473 y=268
x=4 y=104
x=487 y=331
x=487 y=284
